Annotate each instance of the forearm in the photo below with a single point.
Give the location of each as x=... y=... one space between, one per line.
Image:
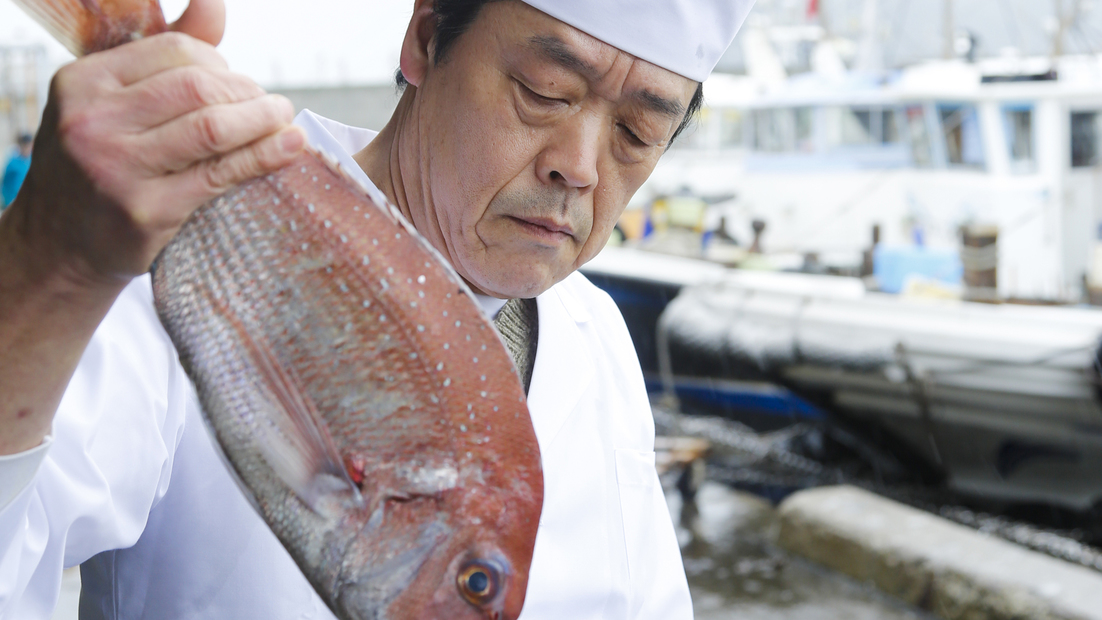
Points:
x=48 y=313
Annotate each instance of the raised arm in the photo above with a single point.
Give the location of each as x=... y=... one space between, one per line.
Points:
x=132 y=141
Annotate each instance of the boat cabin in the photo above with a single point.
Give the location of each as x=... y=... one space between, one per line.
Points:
x=921 y=154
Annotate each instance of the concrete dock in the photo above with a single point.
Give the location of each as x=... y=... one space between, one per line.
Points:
x=949 y=570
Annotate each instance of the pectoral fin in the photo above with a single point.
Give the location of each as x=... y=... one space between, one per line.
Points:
x=294 y=439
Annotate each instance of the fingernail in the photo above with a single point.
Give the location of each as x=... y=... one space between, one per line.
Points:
x=292 y=140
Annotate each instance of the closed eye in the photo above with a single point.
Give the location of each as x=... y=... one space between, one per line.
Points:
x=538 y=98
x=632 y=136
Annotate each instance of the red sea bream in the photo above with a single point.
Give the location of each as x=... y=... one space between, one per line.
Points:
x=359 y=394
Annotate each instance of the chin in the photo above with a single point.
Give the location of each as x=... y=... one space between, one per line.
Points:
x=513 y=285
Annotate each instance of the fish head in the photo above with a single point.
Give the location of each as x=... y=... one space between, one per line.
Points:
x=461 y=555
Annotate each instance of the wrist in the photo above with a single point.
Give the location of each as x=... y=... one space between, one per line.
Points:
x=34 y=262
x=49 y=308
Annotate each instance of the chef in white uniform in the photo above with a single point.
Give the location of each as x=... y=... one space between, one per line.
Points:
x=104 y=459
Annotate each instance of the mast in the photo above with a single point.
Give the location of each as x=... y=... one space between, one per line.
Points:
x=1058 y=41
x=948 y=50
x=1064 y=22
x=869 y=57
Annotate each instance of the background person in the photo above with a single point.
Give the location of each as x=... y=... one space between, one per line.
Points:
x=16 y=170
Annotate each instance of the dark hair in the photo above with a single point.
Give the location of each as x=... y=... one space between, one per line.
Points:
x=453 y=17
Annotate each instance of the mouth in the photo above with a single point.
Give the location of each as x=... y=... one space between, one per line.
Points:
x=545 y=228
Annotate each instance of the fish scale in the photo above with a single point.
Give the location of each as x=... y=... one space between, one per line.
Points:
x=358 y=393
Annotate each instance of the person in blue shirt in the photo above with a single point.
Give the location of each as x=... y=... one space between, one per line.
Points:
x=16 y=170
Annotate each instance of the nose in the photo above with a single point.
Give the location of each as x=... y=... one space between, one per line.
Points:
x=569 y=158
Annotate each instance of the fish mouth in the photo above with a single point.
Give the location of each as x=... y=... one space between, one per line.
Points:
x=381 y=564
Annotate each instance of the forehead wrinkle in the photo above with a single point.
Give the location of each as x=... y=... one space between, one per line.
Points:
x=557 y=51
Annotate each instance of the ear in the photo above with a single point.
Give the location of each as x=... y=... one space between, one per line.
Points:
x=417 y=46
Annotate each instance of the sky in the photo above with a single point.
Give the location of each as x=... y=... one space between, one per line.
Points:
x=331 y=42
x=279 y=42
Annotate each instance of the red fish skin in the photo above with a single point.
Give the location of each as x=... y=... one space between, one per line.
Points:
x=446 y=399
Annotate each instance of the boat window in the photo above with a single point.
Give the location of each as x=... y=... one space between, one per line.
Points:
x=919 y=135
x=1018 y=121
x=866 y=125
x=782 y=130
x=803 y=129
x=1084 y=139
x=889 y=123
x=768 y=135
x=857 y=127
x=731 y=134
x=960 y=127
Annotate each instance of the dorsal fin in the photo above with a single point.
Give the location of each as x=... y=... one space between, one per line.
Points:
x=297 y=445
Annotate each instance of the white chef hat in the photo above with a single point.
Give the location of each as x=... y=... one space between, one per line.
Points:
x=684 y=36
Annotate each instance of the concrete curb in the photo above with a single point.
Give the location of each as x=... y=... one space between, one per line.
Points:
x=947 y=569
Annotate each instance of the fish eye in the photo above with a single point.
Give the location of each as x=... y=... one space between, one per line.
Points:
x=479 y=582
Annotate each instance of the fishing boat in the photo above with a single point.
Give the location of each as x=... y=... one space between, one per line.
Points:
x=978 y=179
x=1002 y=400
x=1009 y=145
x=940 y=148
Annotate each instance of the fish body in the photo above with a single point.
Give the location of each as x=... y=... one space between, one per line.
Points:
x=296 y=299
x=361 y=397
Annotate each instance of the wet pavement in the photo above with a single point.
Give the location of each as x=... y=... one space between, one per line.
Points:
x=736 y=571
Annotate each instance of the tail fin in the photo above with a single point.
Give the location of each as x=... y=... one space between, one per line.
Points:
x=86 y=26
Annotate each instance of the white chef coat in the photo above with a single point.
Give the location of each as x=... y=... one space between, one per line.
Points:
x=132 y=487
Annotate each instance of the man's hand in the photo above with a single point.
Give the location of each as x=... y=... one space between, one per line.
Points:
x=132 y=141
x=136 y=138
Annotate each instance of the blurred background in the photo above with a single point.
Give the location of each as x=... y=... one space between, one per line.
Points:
x=875 y=260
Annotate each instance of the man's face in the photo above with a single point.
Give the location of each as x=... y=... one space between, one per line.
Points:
x=532 y=137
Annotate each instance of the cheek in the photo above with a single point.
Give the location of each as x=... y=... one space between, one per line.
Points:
x=489 y=148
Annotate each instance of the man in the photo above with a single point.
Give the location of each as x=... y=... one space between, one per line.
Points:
x=16 y=170
x=524 y=131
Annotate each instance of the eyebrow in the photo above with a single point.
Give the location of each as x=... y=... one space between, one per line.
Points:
x=558 y=52
x=660 y=104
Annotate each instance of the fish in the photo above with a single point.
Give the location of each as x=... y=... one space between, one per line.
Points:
x=360 y=396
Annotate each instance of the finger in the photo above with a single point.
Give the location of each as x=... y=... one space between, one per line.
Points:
x=138 y=60
x=203 y=19
x=169 y=94
x=212 y=131
x=214 y=177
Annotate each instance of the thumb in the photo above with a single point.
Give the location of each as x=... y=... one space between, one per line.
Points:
x=203 y=19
